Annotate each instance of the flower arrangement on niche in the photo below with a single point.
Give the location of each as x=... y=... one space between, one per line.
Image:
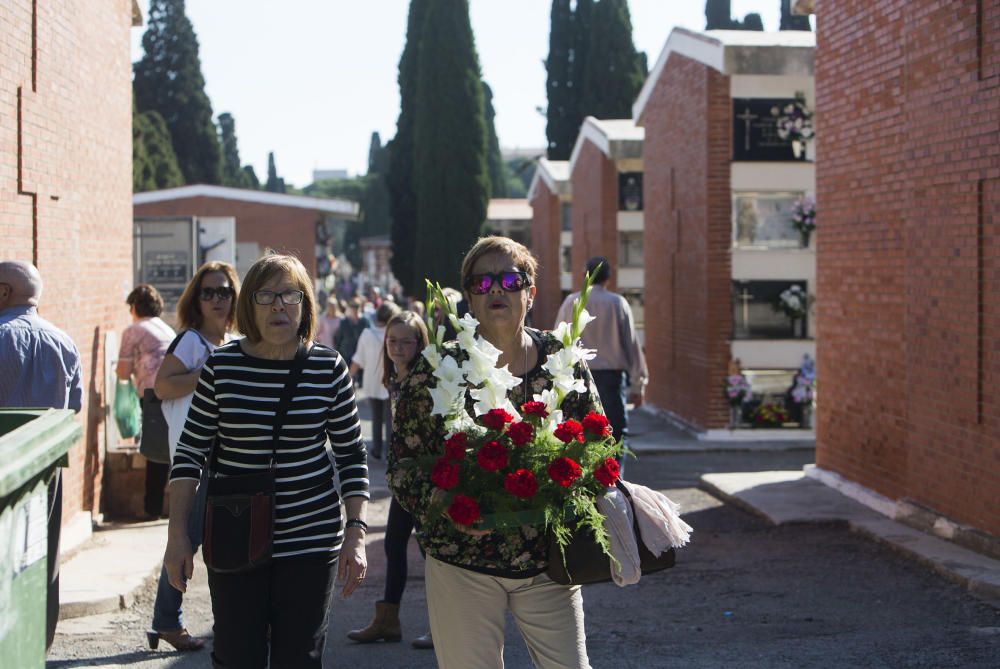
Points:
x=794 y=123
x=794 y=302
x=804 y=218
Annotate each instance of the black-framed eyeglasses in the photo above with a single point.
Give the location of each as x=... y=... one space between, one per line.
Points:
x=265 y=297
x=208 y=293
x=511 y=282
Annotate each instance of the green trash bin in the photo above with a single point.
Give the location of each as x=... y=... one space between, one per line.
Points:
x=33 y=444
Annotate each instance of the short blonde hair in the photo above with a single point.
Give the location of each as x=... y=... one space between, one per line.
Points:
x=519 y=253
x=263 y=271
x=188 y=313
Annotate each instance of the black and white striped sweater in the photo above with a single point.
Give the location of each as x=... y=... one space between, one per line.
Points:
x=236 y=400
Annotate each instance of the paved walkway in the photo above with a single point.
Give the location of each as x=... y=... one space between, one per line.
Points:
x=121 y=559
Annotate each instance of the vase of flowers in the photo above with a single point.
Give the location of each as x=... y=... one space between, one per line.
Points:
x=737 y=393
x=505 y=466
x=804 y=218
x=794 y=302
x=793 y=123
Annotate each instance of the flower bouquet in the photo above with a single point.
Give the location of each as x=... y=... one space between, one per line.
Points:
x=738 y=390
x=804 y=218
x=793 y=302
x=794 y=122
x=504 y=466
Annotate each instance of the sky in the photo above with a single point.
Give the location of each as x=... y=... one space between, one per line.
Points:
x=312 y=79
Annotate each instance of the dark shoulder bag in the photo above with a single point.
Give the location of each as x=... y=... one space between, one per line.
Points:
x=586 y=562
x=239 y=510
x=154 y=443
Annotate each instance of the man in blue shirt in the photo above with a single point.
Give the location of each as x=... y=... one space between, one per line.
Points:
x=39 y=363
x=39 y=367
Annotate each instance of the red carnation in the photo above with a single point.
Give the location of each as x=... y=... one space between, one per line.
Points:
x=568 y=431
x=463 y=510
x=521 y=483
x=454 y=446
x=596 y=424
x=492 y=456
x=495 y=419
x=564 y=471
x=445 y=474
x=520 y=433
x=535 y=409
x=607 y=472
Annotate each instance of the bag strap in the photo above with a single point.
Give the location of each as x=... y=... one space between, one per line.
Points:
x=286 y=398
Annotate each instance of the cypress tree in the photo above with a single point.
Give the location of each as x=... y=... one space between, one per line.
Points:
x=250 y=178
x=614 y=71
x=494 y=159
x=583 y=22
x=751 y=22
x=399 y=177
x=168 y=80
x=718 y=15
x=275 y=184
x=562 y=103
x=450 y=174
x=154 y=164
x=232 y=173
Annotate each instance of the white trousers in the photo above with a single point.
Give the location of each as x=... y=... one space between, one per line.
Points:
x=467 y=614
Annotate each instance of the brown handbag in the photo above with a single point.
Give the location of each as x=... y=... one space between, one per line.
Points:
x=239 y=510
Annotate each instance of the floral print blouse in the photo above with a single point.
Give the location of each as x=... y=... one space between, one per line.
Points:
x=520 y=554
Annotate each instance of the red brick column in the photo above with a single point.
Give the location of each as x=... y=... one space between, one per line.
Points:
x=546 y=225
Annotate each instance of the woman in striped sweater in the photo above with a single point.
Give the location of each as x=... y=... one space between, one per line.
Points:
x=279 y=609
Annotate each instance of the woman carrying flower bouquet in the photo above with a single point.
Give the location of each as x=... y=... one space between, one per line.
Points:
x=473 y=576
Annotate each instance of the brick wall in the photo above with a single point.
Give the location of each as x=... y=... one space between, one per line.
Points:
x=595 y=211
x=546 y=224
x=66 y=185
x=286 y=229
x=687 y=238
x=908 y=261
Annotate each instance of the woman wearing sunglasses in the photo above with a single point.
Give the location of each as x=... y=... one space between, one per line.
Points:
x=206 y=315
x=473 y=577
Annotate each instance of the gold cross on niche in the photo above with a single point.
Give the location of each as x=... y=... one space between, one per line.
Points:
x=35 y=150
x=746 y=117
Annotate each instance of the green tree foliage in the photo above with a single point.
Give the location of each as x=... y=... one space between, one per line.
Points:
x=275 y=184
x=494 y=160
x=154 y=164
x=250 y=177
x=450 y=174
x=615 y=71
x=399 y=177
x=561 y=112
x=232 y=173
x=168 y=80
x=752 y=22
x=718 y=15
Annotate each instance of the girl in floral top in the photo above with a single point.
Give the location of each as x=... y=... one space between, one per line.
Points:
x=473 y=576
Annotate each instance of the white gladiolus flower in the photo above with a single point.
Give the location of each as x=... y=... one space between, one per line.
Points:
x=432 y=355
x=562 y=333
x=482 y=362
x=440 y=334
x=448 y=371
x=585 y=319
x=448 y=397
